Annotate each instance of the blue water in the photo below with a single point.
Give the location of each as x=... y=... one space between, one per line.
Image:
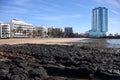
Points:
x=108 y=43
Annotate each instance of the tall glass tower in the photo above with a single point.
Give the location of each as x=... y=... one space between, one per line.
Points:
x=99 y=22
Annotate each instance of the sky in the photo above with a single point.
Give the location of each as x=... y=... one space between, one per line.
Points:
x=60 y=13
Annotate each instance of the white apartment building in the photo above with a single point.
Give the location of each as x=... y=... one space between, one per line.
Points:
x=4 y=30
x=40 y=31
x=20 y=28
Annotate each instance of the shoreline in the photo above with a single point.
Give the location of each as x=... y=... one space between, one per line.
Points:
x=57 y=59
x=61 y=41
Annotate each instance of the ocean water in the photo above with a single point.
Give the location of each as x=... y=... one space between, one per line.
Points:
x=107 y=43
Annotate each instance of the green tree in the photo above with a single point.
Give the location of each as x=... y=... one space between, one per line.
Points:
x=51 y=33
x=58 y=33
x=39 y=32
x=24 y=32
x=55 y=33
x=19 y=29
x=13 y=31
x=29 y=33
x=34 y=32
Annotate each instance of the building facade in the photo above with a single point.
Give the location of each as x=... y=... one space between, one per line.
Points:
x=20 y=28
x=68 y=31
x=40 y=31
x=99 y=22
x=4 y=30
x=55 y=32
x=57 y=29
x=58 y=32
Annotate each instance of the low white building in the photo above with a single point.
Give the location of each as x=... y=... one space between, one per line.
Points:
x=20 y=28
x=40 y=31
x=4 y=30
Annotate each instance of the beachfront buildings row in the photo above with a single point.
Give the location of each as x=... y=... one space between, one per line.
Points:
x=17 y=28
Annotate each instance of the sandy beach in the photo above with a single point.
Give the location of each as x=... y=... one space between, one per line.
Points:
x=38 y=40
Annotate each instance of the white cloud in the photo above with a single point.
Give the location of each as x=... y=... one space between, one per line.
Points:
x=114 y=2
x=46 y=8
x=113 y=24
x=38 y=5
x=80 y=5
x=75 y=16
x=59 y=17
x=113 y=21
x=115 y=12
x=13 y=10
x=99 y=1
x=21 y=2
x=49 y=18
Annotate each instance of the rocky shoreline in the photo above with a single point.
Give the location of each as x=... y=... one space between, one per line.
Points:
x=58 y=62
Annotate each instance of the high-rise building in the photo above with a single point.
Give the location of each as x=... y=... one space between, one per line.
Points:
x=99 y=22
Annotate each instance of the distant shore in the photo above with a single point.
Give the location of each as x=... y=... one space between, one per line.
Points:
x=39 y=40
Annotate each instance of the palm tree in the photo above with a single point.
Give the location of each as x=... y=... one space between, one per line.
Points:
x=29 y=33
x=39 y=32
x=19 y=29
x=34 y=32
x=45 y=34
x=51 y=33
x=24 y=32
x=13 y=31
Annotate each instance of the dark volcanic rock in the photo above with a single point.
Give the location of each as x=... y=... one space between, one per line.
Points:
x=38 y=72
x=35 y=62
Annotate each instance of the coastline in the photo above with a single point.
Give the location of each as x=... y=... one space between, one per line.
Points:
x=60 y=41
x=57 y=59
